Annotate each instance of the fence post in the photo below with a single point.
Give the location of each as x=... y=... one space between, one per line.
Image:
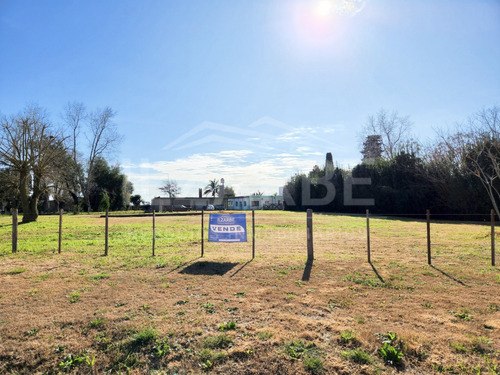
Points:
x=60 y=229
x=154 y=235
x=493 y=237
x=368 y=235
x=14 y=230
x=202 y=233
x=310 y=249
x=106 y=232
x=253 y=234
x=428 y=216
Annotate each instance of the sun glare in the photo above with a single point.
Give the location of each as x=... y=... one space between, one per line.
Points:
x=324 y=8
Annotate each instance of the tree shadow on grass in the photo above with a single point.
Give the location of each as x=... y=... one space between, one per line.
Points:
x=449 y=276
x=208 y=268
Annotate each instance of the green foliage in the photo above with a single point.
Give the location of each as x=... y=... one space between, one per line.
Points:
x=391 y=351
x=74 y=297
x=314 y=365
x=264 y=335
x=357 y=356
x=299 y=348
x=227 y=326
x=144 y=337
x=217 y=342
x=209 y=358
x=347 y=337
x=96 y=323
x=16 y=271
x=104 y=203
x=71 y=361
x=208 y=307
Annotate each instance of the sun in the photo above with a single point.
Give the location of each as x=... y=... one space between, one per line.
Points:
x=324 y=8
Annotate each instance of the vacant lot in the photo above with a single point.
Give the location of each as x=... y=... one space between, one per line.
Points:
x=82 y=312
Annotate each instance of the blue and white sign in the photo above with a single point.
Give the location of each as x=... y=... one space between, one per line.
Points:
x=227 y=228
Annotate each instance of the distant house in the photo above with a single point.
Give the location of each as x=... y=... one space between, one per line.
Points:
x=255 y=202
x=160 y=204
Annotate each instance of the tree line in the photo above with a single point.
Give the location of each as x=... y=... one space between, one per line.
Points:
x=66 y=163
x=457 y=174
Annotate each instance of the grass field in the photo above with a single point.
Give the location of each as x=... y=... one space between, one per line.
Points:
x=177 y=313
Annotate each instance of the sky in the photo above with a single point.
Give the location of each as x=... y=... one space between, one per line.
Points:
x=252 y=91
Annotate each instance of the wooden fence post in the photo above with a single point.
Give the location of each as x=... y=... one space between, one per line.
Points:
x=14 y=230
x=106 y=232
x=310 y=248
x=368 y=235
x=60 y=230
x=493 y=238
x=428 y=216
x=253 y=234
x=154 y=235
x=202 y=233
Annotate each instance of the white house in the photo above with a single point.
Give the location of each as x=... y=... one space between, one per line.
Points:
x=256 y=202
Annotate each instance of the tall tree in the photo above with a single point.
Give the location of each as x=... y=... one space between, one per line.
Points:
x=171 y=188
x=30 y=148
x=103 y=139
x=212 y=188
x=392 y=128
x=372 y=148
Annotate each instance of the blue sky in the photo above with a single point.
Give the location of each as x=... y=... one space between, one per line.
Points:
x=250 y=90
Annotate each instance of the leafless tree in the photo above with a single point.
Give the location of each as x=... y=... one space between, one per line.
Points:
x=171 y=188
x=73 y=116
x=476 y=149
x=392 y=128
x=29 y=149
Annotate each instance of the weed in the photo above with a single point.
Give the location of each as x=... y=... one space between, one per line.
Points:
x=101 y=276
x=227 y=326
x=459 y=347
x=161 y=348
x=209 y=358
x=297 y=349
x=74 y=297
x=493 y=307
x=391 y=351
x=314 y=365
x=144 y=307
x=32 y=332
x=143 y=338
x=96 y=323
x=16 y=271
x=359 y=319
x=462 y=315
x=240 y=294
x=71 y=361
x=264 y=335
x=299 y=283
x=231 y=309
x=181 y=302
x=208 y=307
x=427 y=305
x=357 y=356
x=347 y=337
x=217 y=342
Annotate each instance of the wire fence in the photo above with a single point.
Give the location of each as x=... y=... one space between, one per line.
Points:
x=271 y=234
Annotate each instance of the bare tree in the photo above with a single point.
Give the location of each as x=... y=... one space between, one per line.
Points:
x=29 y=149
x=171 y=188
x=476 y=148
x=103 y=139
x=73 y=116
x=392 y=128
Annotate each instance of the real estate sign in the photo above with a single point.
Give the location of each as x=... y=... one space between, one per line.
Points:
x=227 y=228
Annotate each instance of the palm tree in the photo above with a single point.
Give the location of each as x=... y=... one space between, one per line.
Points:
x=212 y=187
